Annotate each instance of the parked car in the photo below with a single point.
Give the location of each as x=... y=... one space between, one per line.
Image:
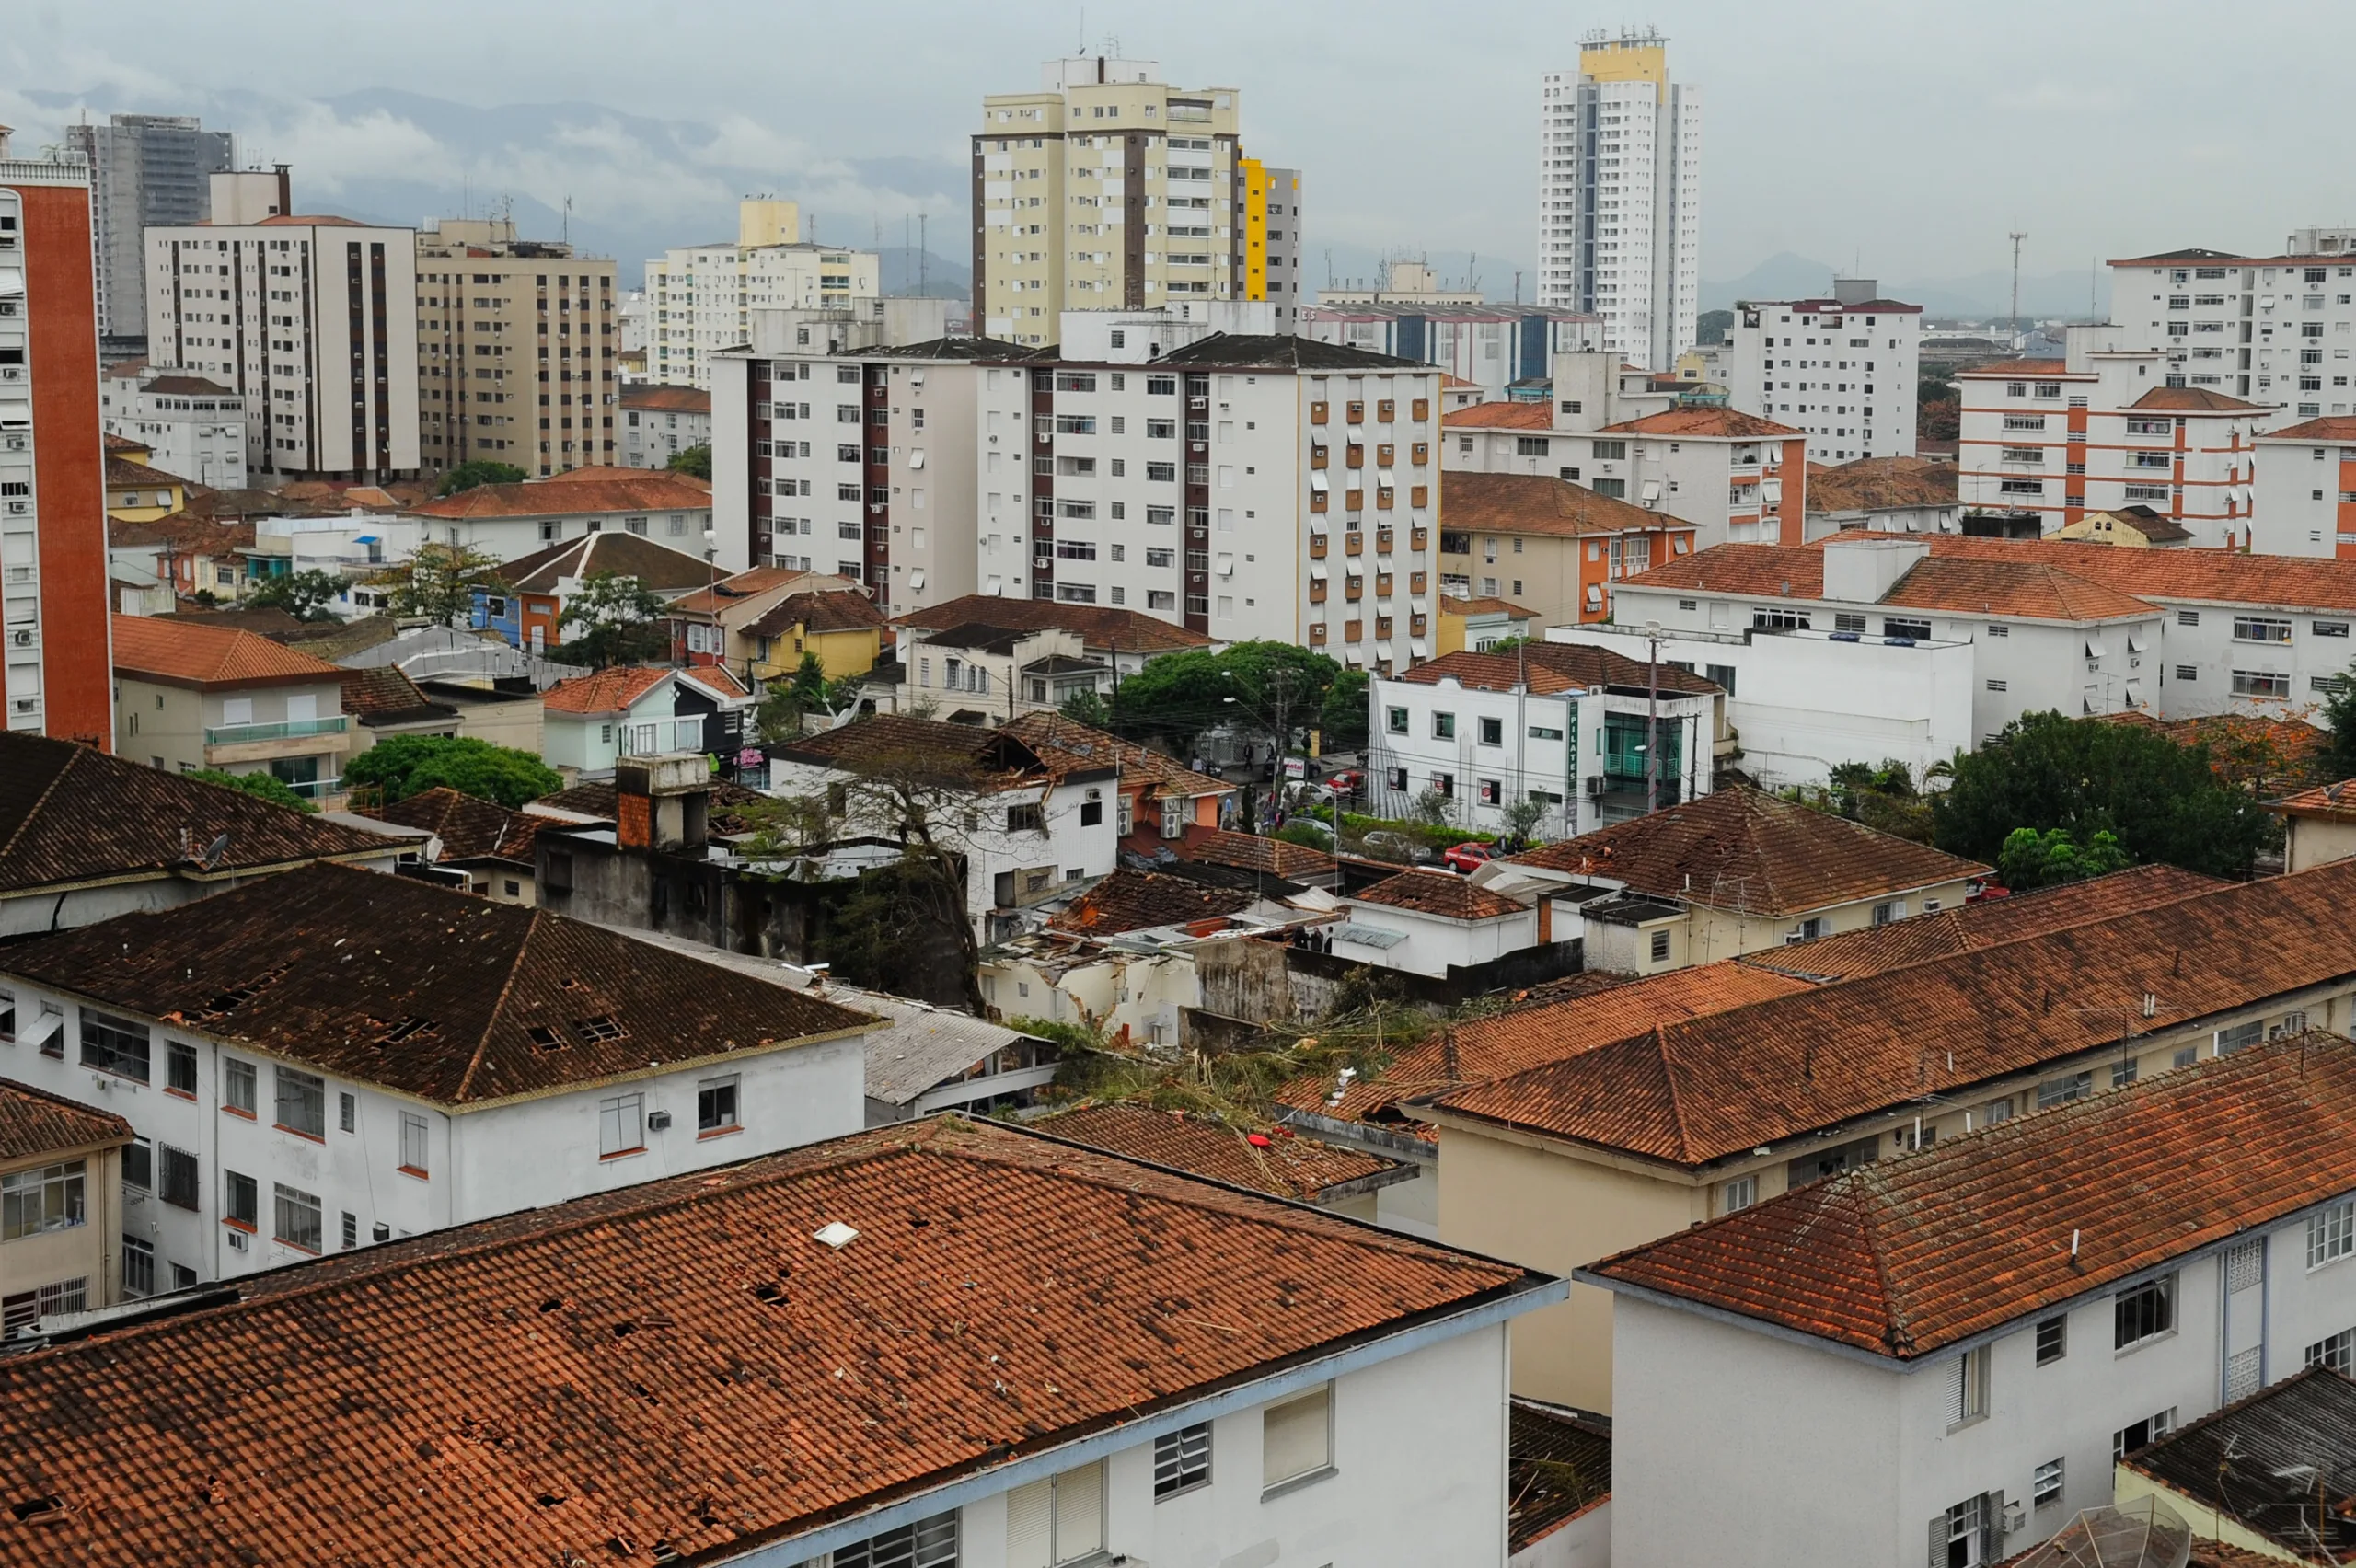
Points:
x=1349 y=781
x=1391 y=846
x=1466 y=858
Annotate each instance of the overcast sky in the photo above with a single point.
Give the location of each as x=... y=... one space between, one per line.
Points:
x=1903 y=138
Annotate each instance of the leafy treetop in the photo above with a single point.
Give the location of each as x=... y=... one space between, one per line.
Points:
x=402 y=765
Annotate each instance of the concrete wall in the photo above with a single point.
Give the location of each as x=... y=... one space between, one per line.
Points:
x=2313 y=840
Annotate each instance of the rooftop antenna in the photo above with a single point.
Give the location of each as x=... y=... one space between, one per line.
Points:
x=566 y=234
x=923 y=254
x=2017 y=236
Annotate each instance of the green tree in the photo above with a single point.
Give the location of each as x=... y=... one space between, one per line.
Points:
x=2030 y=859
x=1341 y=718
x=306 y=595
x=2161 y=802
x=1252 y=686
x=440 y=581
x=1087 y=708
x=481 y=472
x=402 y=765
x=1713 y=327
x=263 y=786
x=785 y=702
x=695 y=460
x=610 y=619
x=2339 y=757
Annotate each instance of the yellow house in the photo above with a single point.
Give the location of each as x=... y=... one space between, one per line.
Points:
x=2129 y=527
x=135 y=492
x=62 y=1241
x=1899 y=1036
x=841 y=626
x=1481 y=625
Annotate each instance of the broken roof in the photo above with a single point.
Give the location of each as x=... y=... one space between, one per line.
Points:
x=1428 y=891
x=1903 y=1258
x=1686 y=1094
x=2260 y=1460
x=34 y=1122
x=1743 y=849
x=1067 y=745
x=1559 y=1468
x=1005 y=1295
x=72 y=814
x=1281 y=1164
x=470 y=828
x=950 y=753
x=421 y=989
x=1131 y=900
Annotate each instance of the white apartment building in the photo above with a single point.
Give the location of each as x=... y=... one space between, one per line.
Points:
x=510 y=521
x=1489 y=346
x=1567 y=725
x=310 y=321
x=660 y=423
x=1619 y=197
x=190 y=426
x=2029 y=1304
x=2302 y=500
x=2044 y=442
x=1108 y=190
x=700 y=298
x=2276 y=331
x=1843 y=369
x=426 y=1058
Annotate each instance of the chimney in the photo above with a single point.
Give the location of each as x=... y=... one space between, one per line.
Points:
x=663 y=802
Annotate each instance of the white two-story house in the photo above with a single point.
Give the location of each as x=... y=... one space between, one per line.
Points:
x=329 y=1058
x=590 y=723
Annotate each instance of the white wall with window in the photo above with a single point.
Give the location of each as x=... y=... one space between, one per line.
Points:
x=246 y=1160
x=1980 y=1451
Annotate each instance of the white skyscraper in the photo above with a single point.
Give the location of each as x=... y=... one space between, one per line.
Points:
x=1619 y=197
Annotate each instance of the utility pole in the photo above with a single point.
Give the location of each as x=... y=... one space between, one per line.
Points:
x=2017 y=236
x=1652 y=717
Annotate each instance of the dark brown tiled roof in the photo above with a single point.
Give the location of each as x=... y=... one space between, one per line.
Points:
x=677 y=1371
x=1560 y=1468
x=1542 y=504
x=571 y=494
x=470 y=828
x=657 y=565
x=122 y=471
x=1554 y=667
x=2046 y=589
x=1283 y=1165
x=1439 y=892
x=1132 y=900
x=1067 y=745
x=2256 y=1461
x=955 y=754
x=1700 y=423
x=34 y=1122
x=667 y=399
x=72 y=814
x=1689 y=1093
x=1250 y=852
x=421 y=989
x=1100 y=625
x=2193 y=400
x=1743 y=849
x=841 y=609
x=383 y=695
x=1903 y=1257
x=2335 y=801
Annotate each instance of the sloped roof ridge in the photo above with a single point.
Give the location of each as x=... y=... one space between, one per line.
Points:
x=1875 y=1179
x=1657 y=1040
x=498 y=1009
x=40 y=802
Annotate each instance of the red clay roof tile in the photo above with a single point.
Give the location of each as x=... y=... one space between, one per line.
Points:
x=34 y=1122
x=1541 y=504
x=1287 y=1166
x=188 y=653
x=1439 y=892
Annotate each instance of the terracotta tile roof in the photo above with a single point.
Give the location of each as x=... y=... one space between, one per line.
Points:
x=2255 y=1462
x=381 y=695
x=1744 y=849
x=1500 y=416
x=1904 y=1257
x=1438 y=893
x=122 y=471
x=1791 y=571
x=667 y=399
x=2235 y=740
x=966 y=755
x=1699 y=422
x=177 y=651
x=842 y=609
x=1541 y=504
x=34 y=1122
x=1100 y=625
x=1559 y=1467
x=184 y=531
x=606 y=691
x=1687 y=1094
x=69 y=813
x=744 y=585
x=1007 y=1294
x=1483 y=1049
x=1269 y=857
x=188 y=386
x=1067 y=745
x=2025 y=587
x=2339 y=428
x=570 y=495
x=1551 y=668
x=2332 y=801
x=658 y=566
x=113 y=444
x=1875 y=484
x=1450 y=605
x=421 y=989
x=2223 y=577
x=1967 y=927
x=718 y=681
x=2193 y=400
x=470 y=828
x=1288 y=1166
x=2045 y=369
x=1131 y=900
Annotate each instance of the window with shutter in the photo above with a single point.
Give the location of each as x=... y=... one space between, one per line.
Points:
x=1297 y=1437
x=1031 y=1526
x=1058 y=1520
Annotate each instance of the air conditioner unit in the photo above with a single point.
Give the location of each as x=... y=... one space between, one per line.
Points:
x=1594 y=786
x=21 y=638
x=658 y=1120
x=237 y=1240
x=1792 y=939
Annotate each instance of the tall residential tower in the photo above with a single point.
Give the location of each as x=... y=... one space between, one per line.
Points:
x=1619 y=197
x=147 y=171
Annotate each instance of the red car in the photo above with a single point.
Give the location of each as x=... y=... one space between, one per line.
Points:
x=1466 y=858
x=1346 y=783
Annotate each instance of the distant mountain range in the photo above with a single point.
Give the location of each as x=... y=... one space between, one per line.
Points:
x=1985 y=296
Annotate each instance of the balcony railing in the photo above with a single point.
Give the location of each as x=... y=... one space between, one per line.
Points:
x=318 y=789
x=293 y=728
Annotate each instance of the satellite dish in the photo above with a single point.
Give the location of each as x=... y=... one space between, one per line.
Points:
x=2144 y=1533
x=216 y=851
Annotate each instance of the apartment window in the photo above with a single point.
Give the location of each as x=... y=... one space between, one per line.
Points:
x=1780 y=620
x=138 y=1267
x=1396 y=720
x=1493 y=732
x=1027 y=818
x=2336 y=1352
x=1443 y=726
x=2188 y=617
x=176 y=1176
x=114 y=1045
x=2260 y=628
x=1920 y=630
x=2232 y=1040
x=179 y=1068
x=240 y=1200
x=2052 y=1340
x=2045 y=1484
x=347 y=1112
x=2331 y=1234
x=350 y=1235
x=927 y=1543
x=622 y=1126
x=302 y=1103
x=1181 y=1460
x=2144 y=1313
x=716 y=1105
x=295 y=1222
x=50 y=1197
x=1969 y=1534
x=237 y=1085
x=2062 y=1090
x=1737 y=1194
x=2262 y=684
x=1893 y=910
x=1297 y=1437
x=1968 y=1392
x=2188 y=672
x=2141 y=1433
x=1059 y=1520
x=138 y=1164
x=413 y=1143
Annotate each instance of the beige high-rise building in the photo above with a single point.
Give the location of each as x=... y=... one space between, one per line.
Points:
x=516 y=351
x=1109 y=189
x=700 y=298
